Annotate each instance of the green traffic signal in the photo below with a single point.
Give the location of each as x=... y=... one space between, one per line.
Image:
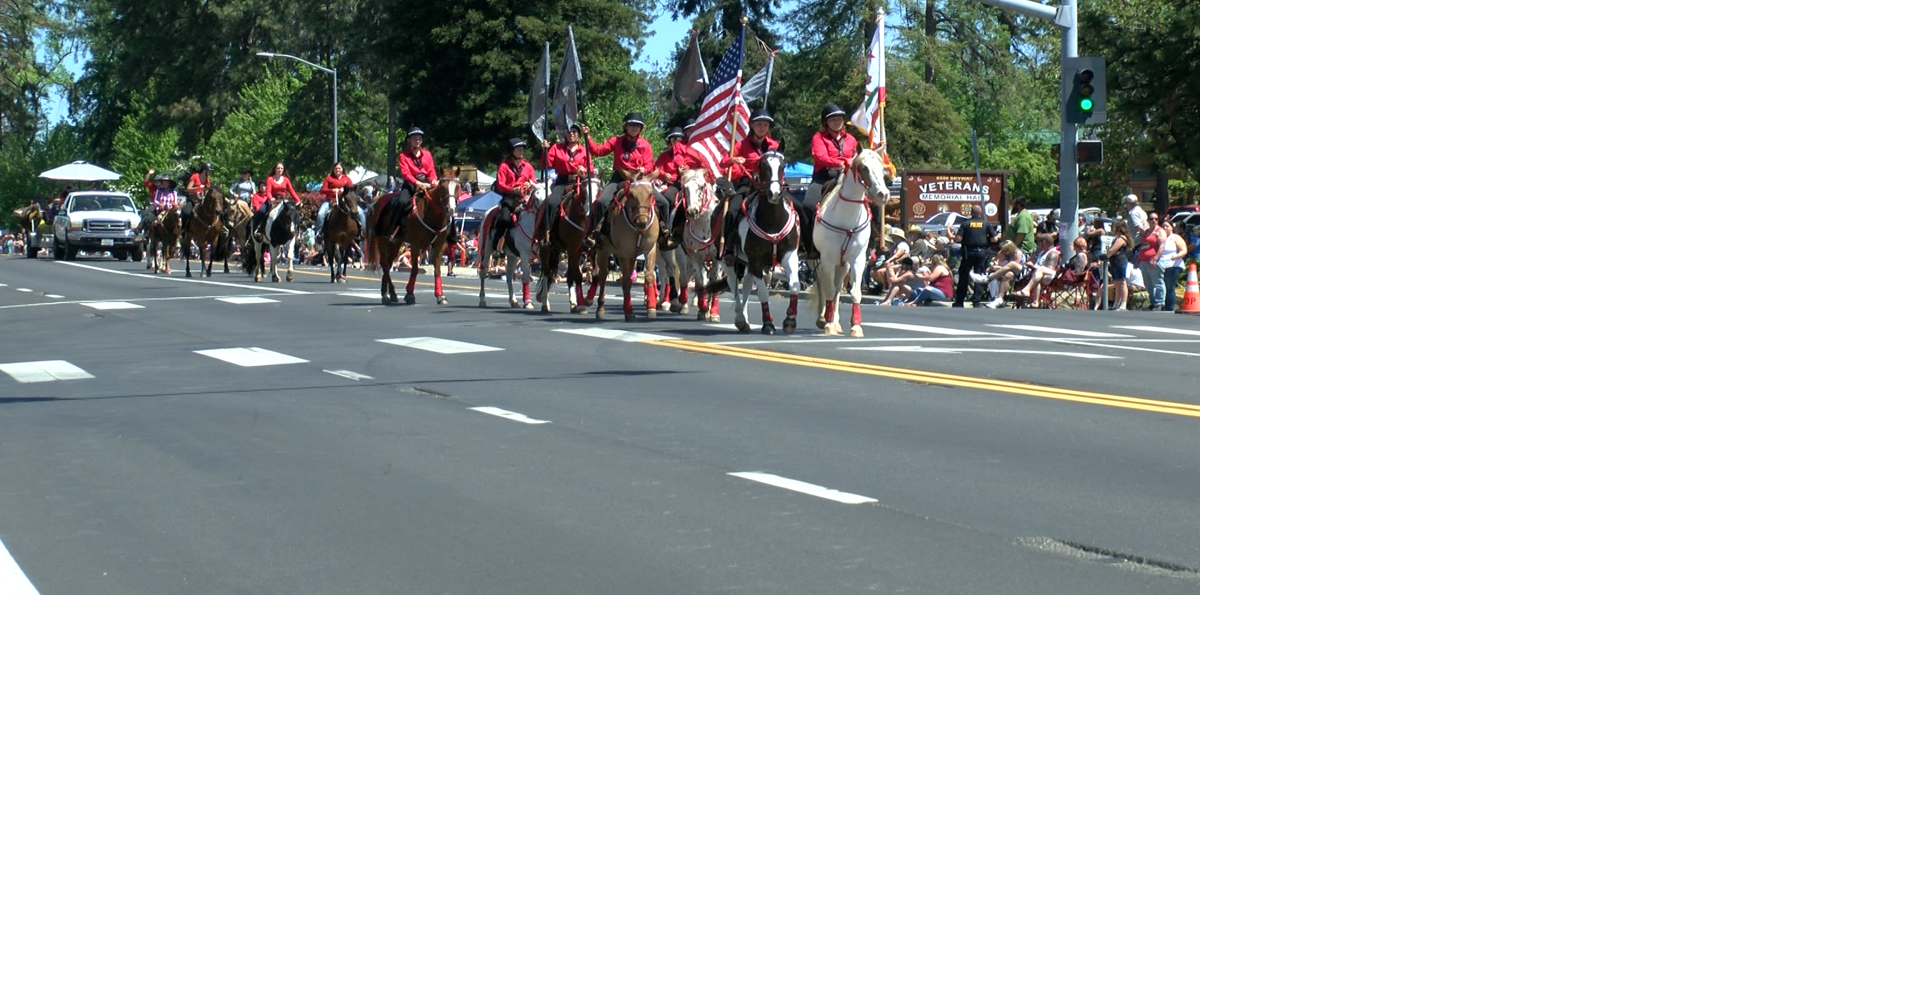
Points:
x=1086 y=104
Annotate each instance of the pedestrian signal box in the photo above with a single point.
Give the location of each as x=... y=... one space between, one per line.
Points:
x=1086 y=152
x=1083 y=89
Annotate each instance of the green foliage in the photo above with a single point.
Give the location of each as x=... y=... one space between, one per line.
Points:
x=253 y=135
x=27 y=66
x=1152 y=49
x=24 y=157
x=138 y=148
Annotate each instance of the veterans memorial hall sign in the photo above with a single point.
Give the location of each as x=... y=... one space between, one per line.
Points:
x=925 y=193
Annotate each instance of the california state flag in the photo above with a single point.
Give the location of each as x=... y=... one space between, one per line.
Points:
x=867 y=118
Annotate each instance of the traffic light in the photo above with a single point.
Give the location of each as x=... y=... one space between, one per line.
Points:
x=1083 y=89
x=1085 y=152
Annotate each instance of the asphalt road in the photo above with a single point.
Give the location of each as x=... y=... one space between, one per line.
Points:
x=159 y=435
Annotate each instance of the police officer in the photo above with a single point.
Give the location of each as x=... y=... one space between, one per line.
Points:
x=975 y=245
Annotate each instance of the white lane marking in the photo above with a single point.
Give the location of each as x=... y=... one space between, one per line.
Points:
x=438 y=345
x=13 y=580
x=1109 y=346
x=111 y=305
x=928 y=349
x=806 y=488
x=56 y=295
x=1156 y=328
x=251 y=356
x=143 y=301
x=44 y=370
x=616 y=334
x=174 y=279
x=509 y=414
x=1056 y=329
x=248 y=300
x=24 y=290
x=355 y=375
x=935 y=330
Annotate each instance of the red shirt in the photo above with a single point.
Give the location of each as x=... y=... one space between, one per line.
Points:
x=748 y=150
x=279 y=188
x=567 y=162
x=332 y=185
x=630 y=153
x=680 y=157
x=831 y=153
x=417 y=167
x=512 y=176
x=195 y=184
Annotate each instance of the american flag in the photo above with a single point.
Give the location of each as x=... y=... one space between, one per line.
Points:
x=723 y=112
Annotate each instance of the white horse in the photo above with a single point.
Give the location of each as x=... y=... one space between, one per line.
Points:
x=768 y=239
x=840 y=232
x=519 y=248
x=698 y=253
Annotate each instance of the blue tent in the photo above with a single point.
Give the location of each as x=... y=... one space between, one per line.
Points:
x=479 y=203
x=798 y=170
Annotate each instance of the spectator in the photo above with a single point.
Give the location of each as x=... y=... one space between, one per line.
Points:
x=1023 y=229
x=1007 y=266
x=936 y=283
x=1044 y=267
x=907 y=284
x=1146 y=255
x=898 y=263
x=1113 y=275
x=1173 y=253
x=975 y=246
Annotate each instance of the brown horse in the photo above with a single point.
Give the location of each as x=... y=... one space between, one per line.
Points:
x=162 y=235
x=633 y=232
x=208 y=226
x=423 y=231
x=567 y=234
x=343 y=234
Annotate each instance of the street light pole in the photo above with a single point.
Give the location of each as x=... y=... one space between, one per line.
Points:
x=336 y=93
x=1067 y=17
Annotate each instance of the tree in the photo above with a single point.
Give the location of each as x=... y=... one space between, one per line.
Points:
x=252 y=134
x=138 y=147
x=1152 y=49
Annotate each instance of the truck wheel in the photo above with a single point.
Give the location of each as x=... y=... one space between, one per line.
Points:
x=120 y=254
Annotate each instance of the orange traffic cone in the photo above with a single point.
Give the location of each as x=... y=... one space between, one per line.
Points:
x=1190 y=302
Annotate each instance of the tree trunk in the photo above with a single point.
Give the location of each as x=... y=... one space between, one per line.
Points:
x=928 y=25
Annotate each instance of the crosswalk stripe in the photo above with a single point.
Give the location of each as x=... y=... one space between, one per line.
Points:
x=251 y=356
x=248 y=300
x=438 y=345
x=625 y=336
x=110 y=305
x=509 y=414
x=1159 y=328
x=935 y=330
x=806 y=488
x=13 y=580
x=44 y=370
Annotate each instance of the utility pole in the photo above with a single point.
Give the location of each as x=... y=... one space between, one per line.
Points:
x=1067 y=17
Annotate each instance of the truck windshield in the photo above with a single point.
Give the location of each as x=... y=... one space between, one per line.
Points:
x=114 y=201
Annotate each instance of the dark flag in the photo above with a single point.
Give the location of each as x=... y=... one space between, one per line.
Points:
x=757 y=85
x=537 y=97
x=566 y=104
x=690 y=80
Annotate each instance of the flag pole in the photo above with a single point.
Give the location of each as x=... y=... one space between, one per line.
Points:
x=733 y=119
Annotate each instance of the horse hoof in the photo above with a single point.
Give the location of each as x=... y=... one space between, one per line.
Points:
x=651 y=315
x=409 y=299
x=440 y=300
x=789 y=325
x=741 y=324
x=766 y=328
x=857 y=333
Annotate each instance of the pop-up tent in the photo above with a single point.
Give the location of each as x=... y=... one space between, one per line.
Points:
x=79 y=171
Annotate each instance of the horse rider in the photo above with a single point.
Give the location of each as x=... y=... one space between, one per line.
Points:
x=513 y=183
x=243 y=189
x=743 y=168
x=566 y=162
x=196 y=186
x=278 y=185
x=161 y=195
x=416 y=173
x=666 y=171
x=335 y=183
x=833 y=151
x=632 y=160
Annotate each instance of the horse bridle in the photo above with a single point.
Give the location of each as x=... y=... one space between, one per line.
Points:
x=866 y=204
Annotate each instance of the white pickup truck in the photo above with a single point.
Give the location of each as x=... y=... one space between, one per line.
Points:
x=96 y=222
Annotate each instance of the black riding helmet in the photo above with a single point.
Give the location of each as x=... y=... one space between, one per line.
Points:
x=634 y=119
x=515 y=142
x=765 y=116
x=676 y=130
x=831 y=111
x=416 y=131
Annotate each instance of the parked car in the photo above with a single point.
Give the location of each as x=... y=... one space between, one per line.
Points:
x=96 y=222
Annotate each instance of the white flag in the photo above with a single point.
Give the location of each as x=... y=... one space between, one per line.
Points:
x=867 y=118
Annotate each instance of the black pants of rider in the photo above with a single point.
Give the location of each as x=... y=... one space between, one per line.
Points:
x=972 y=260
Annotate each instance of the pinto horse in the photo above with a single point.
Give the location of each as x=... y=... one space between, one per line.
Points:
x=840 y=232
x=515 y=232
x=697 y=254
x=272 y=231
x=567 y=235
x=343 y=234
x=769 y=235
x=423 y=232
x=207 y=227
x=633 y=231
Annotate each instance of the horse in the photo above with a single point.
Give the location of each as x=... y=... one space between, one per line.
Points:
x=162 y=235
x=697 y=255
x=342 y=235
x=840 y=231
x=206 y=226
x=567 y=235
x=272 y=230
x=769 y=234
x=633 y=230
x=517 y=232
x=424 y=233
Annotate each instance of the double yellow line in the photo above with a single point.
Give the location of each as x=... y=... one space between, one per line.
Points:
x=940 y=378
x=909 y=374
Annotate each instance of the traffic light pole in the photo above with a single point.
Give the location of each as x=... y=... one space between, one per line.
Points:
x=1067 y=17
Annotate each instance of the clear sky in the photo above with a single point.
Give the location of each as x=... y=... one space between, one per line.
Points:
x=667 y=34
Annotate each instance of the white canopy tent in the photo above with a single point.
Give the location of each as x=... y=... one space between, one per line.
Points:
x=359 y=175
x=79 y=171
